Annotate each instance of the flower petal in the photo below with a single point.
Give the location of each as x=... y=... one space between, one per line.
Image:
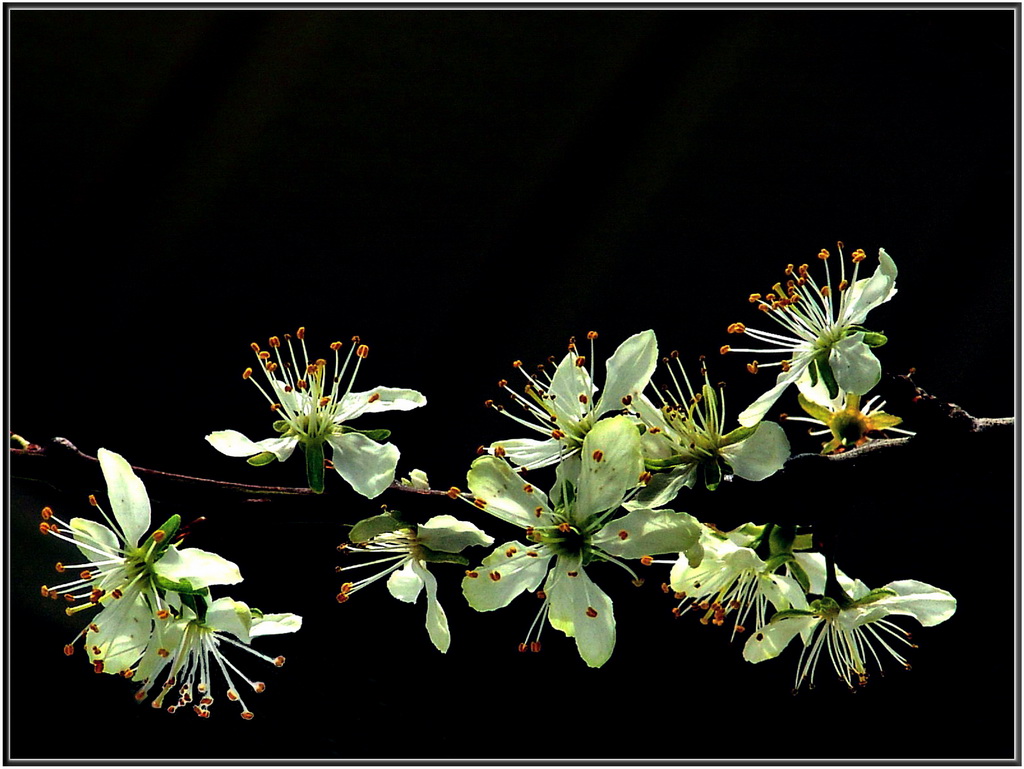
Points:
x=755 y=412
x=233 y=443
x=368 y=466
x=927 y=604
x=122 y=632
x=568 y=383
x=581 y=610
x=648 y=532
x=504 y=574
x=199 y=567
x=867 y=294
x=448 y=534
x=377 y=400
x=665 y=486
x=230 y=616
x=128 y=499
x=405 y=584
x=612 y=465
x=855 y=367
x=628 y=371
x=528 y=451
x=505 y=494
x=768 y=642
x=437 y=621
x=762 y=454
x=91 y=536
x=275 y=624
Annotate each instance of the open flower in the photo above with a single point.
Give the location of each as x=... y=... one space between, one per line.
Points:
x=407 y=549
x=733 y=577
x=126 y=578
x=193 y=646
x=845 y=420
x=686 y=439
x=851 y=632
x=564 y=406
x=824 y=340
x=314 y=405
x=569 y=532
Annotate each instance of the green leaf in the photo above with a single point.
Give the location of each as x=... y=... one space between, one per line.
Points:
x=264 y=458
x=874 y=339
x=315 y=466
x=380 y=436
x=368 y=528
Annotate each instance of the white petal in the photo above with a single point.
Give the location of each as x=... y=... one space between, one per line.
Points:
x=927 y=604
x=405 y=584
x=628 y=371
x=665 y=486
x=450 y=535
x=867 y=294
x=89 y=534
x=528 y=451
x=275 y=624
x=281 y=448
x=648 y=532
x=199 y=567
x=122 y=633
x=755 y=412
x=229 y=616
x=233 y=443
x=568 y=383
x=506 y=494
x=769 y=641
x=580 y=609
x=762 y=454
x=368 y=466
x=437 y=622
x=854 y=365
x=516 y=569
x=128 y=499
x=612 y=465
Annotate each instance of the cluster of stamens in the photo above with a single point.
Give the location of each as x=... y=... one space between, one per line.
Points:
x=317 y=397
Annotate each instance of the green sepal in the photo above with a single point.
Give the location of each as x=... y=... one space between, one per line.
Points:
x=797 y=572
x=787 y=613
x=812 y=370
x=170 y=528
x=803 y=542
x=368 y=528
x=815 y=410
x=380 y=436
x=874 y=339
x=882 y=421
x=314 y=466
x=663 y=464
x=739 y=434
x=183 y=588
x=263 y=458
x=776 y=561
x=875 y=595
x=827 y=377
x=281 y=426
x=780 y=539
x=436 y=556
x=197 y=603
x=712 y=474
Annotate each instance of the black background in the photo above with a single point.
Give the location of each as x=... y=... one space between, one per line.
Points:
x=463 y=188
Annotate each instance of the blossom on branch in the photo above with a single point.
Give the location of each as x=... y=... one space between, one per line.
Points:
x=315 y=404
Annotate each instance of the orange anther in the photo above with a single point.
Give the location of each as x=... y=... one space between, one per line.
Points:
x=163 y=614
x=535 y=646
x=528 y=489
x=274 y=341
x=591 y=612
x=645 y=477
x=572 y=574
x=158 y=535
x=580 y=360
x=278 y=661
x=247 y=715
x=362 y=351
x=623 y=535
x=472 y=574
x=255 y=347
x=97 y=666
x=495 y=576
x=517 y=363
x=301 y=333
x=646 y=560
x=92 y=500
x=598 y=455
x=823 y=254
x=522 y=647
x=247 y=373
x=264 y=355
x=510 y=552
x=259 y=687
x=499 y=451
x=564 y=527
x=46 y=513
x=591 y=335
x=752 y=367
x=557 y=434
x=724 y=349
x=538 y=511
x=858 y=255
x=69 y=650
x=584 y=399
x=753 y=298
x=785 y=365
x=341 y=597
x=85 y=574
x=480 y=503
x=736 y=328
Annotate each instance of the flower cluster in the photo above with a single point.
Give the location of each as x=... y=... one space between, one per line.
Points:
x=149 y=598
x=624 y=454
